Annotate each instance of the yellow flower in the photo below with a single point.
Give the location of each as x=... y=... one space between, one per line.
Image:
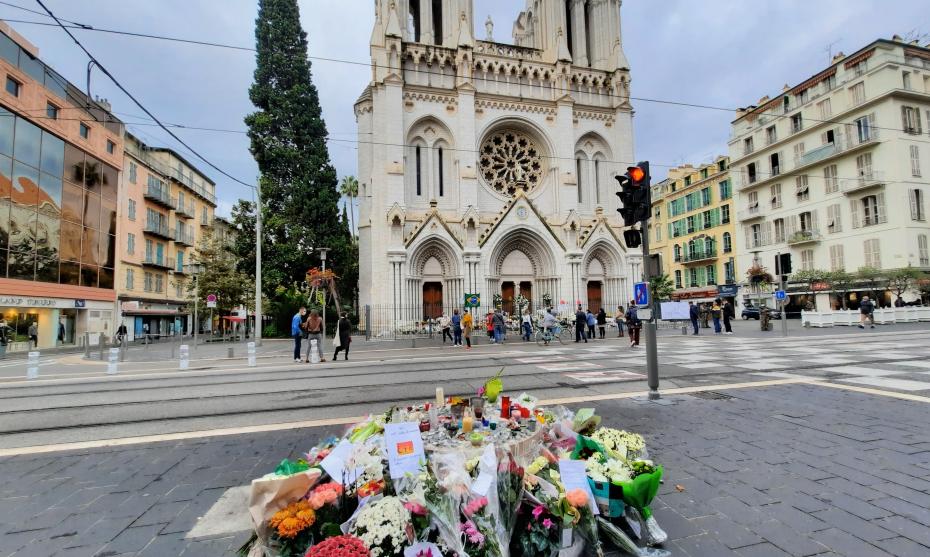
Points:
x=307 y=516
x=279 y=517
x=290 y=527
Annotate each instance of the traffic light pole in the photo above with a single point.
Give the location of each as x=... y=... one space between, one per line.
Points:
x=652 y=350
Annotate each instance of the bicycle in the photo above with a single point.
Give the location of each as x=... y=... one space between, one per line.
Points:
x=544 y=336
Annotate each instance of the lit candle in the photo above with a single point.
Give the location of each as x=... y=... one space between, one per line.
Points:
x=440 y=396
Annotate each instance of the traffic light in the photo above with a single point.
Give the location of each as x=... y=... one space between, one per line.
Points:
x=635 y=196
x=783 y=264
x=632 y=238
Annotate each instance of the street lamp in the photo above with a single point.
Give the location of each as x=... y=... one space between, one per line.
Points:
x=195 y=269
x=322 y=252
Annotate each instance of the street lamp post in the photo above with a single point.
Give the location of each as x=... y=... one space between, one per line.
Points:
x=195 y=269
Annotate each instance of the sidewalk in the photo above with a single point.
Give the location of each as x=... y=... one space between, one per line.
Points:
x=793 y=469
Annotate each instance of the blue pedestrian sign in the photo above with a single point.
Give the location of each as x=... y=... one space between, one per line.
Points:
x=781 y=295
x=641 y=293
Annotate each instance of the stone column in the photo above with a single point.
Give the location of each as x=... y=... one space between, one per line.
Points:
x=426 y=21
x=579 y=35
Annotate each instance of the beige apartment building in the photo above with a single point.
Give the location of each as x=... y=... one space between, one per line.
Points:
x=166 y=204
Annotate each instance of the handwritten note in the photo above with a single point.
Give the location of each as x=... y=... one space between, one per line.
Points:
x=404 y=447
x=574 y=476
x=335 y=463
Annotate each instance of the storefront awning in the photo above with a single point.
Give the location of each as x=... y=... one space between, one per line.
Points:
x=234 y=318
x=695 y=293
x=157 y=312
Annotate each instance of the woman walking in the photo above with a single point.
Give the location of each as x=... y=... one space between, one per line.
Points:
x=633 y=323
x=343 y=337
x=527 y=325
x=619 y=317
x=602 y=322
x=467 y=325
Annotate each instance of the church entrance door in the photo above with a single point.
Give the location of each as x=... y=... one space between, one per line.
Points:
x=432 y=300
x=594 y=295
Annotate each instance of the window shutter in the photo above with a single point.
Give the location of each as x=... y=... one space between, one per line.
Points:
x=837 y=218
x=917 y=119
x=814 y=220
x=912 y=195
x=880 y=208
x=792 y=224
x=876 y=254
x=767 y=233
x=854 y=209
x=904 y=125
x=748 y=230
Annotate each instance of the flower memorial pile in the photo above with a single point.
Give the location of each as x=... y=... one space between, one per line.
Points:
x=484 y=476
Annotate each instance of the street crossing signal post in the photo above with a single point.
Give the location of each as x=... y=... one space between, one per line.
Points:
x=636 y=207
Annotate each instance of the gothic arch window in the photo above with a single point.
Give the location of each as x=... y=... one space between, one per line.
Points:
x=419 y=169
x=598 y=176
x=511 y=160
x=579 y=174
x=429 y=161
x=592 y=152
x=441 y=167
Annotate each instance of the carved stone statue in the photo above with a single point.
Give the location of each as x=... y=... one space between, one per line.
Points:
x=489 y=29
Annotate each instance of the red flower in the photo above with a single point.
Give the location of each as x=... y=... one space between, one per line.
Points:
x=339 y=546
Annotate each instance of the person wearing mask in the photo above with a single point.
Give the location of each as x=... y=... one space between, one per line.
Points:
x=633 y=323
x=728 y=314
x=297 y=330
x=581 y=320
x=314 y=328
x=456 y=322
x=467 y=325
x=694 y=313
x=343 y=337
x=619 y=317
x=602 y=322
x=527 y=325
x=497 y=321
x=715 y=311
x=446 y=325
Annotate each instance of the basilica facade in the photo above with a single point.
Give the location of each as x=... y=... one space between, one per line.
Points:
x=488 y=168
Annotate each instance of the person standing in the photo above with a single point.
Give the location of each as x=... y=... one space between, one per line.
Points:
x=602 y=322
x=592 y=324
x=61 y=332
x=715 y=314
x=619 y=317
x=297 y=331
x=581 y=320
x=728 y=314
x=866 y=312
x=120 y=333
x=34 y=334
x=456 y=328
x=343 y=337
x=527 y=325
x=4 y=331
x=497 y=321
x=694 y=313
x=633 y=323
x=489 y=323
x=446 y=325
x=467 y=325
x=314 y=328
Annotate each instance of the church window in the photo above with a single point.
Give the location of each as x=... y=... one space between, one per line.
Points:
x=419 y=171
x=441 y=176
x=578 y=174
x=510 y=161
x=597 y=181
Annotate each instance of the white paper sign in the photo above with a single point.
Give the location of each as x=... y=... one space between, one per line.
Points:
x=335 y=463
x=487 y=467
x=574 y=476
x=680 y=311
x=404 y=448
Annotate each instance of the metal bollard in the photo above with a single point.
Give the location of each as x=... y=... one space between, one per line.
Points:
x=86 y=346
x=185 y=357
x=231 y=352
x=112 y=365
x=251 y=351
x=32 y=372
x=101 y=344
x=684 y=329
x=122 y=350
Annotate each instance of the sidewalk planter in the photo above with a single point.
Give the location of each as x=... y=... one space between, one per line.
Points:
x=884 y=316
x=847 y=317
x=923 y=313
x=817 y=318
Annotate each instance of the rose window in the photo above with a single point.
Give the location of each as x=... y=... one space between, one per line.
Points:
x=510 y=161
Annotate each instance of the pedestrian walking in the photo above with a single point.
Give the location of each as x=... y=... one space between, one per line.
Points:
x=497 y=320
x=728 y=314
x=343 y=337
x=456 y=328
x=602 y=322
x=633 y=324
x=490 y=325
x=618 y=318
x=120 y=333
x=467 y=325
x=581 y=320
x=297 y=330
x=4 y=339
x=314 y=329
x=446 y=325
x=61 y=331
x=527 y=325
x=592 y=324
x=705 y=316
x=694 y=313
x=866 y=312
x=715 y=312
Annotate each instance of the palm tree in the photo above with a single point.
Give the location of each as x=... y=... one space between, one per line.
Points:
x=349 y=188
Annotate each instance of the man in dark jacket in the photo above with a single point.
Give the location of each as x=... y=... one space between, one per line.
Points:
x=633 y=323
x=728 y=313
x=694 y=313
x=602 y=322
x=866 y=312
x=581 y=321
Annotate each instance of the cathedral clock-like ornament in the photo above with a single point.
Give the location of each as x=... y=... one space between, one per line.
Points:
x=510 y=161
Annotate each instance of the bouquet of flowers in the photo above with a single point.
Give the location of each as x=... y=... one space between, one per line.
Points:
x=339 y=546
x=623 y=443
x=492 y=387
x=291 y=528
x=479 y=529
x=383 y=526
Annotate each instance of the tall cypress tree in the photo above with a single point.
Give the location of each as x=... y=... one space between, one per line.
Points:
x=288 y=140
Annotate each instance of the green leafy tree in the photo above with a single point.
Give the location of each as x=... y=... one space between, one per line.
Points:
x=809 y=278
x=842 y=284
x=903 y=279
x=661 y=287
x=219 y=276
x=872 y=278
x=349 y=188
x=243 y=246
x=288 y=140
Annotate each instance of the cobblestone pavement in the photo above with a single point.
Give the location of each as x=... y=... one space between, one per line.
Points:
x=795 y=469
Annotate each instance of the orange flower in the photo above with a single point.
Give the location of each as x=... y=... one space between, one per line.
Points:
x=290 y=527
x=279 y=517
x=577 y=498
x=307 y=516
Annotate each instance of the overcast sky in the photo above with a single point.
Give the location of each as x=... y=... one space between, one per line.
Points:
x=703 y=52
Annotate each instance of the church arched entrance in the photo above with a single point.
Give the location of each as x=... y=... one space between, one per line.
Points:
x=435 y=285
x=522 y=264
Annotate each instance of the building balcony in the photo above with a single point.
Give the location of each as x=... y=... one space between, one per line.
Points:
x=158 y=229
x=159 y=262
x=159 y=195
x=185 y=210
x=698 y=256
x=869 y=180
x=184 y=238
x=753 y=213
x=804 y=237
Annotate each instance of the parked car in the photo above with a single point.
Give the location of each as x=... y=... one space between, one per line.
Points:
x=752 y=312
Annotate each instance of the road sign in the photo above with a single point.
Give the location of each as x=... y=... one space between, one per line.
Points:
x=211 y=300
x=641 y=293
x=472 y=300
x=781 y=295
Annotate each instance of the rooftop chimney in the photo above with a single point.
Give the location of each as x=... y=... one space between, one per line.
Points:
x=839 y=56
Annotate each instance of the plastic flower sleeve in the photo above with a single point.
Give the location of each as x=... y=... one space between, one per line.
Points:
x=445 y=495
x=641 y=490
x=623 y=542
x=652 y=533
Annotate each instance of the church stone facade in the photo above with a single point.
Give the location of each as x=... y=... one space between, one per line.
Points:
x=489 y=168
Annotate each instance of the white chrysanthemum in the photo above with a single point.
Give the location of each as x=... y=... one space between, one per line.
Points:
x=382 y=521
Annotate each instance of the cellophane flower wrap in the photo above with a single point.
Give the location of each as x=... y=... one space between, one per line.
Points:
x=383 y=526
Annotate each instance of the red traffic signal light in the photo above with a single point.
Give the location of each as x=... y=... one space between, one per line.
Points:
x=635 y=173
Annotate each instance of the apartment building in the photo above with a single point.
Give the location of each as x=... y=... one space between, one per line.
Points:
x=693 y=228
x=835 y=169
x=60 y=155
x=166 y=203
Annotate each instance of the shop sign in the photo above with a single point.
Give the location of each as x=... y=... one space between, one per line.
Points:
x=728 y=290
x=820 y=286
x=80 y=304
x=26 y=301
x=130 y=306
